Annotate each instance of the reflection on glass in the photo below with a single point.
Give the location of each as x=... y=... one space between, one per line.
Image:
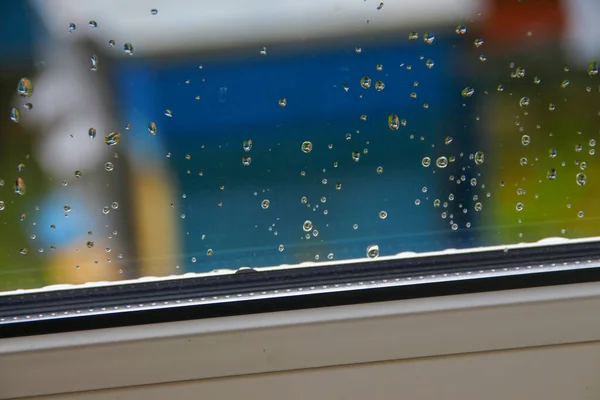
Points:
x=360 y=133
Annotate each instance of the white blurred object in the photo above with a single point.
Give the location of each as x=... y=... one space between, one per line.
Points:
x=188 y=24
x=582 y=36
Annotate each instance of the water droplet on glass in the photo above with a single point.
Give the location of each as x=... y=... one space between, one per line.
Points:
x=15 y=115
x=379 y=86
x=283 y=102
x=93 y=63
x=380 y=6
x=593 y=68
x=152 y=128
x=90 y=244
x=105 y=209
x=114 y=205
x=263 y=51
x=373 y=251
x=78 y=174
x=479 y=156
x=551 y=174
x=379 y=170
x=519 y=207
x=72 y=27
x=306 y=147
x=478 y=42
x=429 y=63
x=23 y=251
x=379 y=67
x=442 y=162
x=209 y=252
x=413 y=36
x=393 y=122
x=592 y=142
x=383 y=214
x=428 y=37
x=93 y=24
x=461 y=29
x=581 y=179
x=112 y=139
x=307 y=226
x=154 y=11
x=28 y=106
x=426 y=162
x=482 y=58
x=523 y=161
x=109 y=166
x=25 y=87
x=525 y=140
x=112 y=43
x=468 y=91
x=365 y=82
x=580 y=214
x=565 y=83
x=356 y=156
x=1 y=205
x=67 y=208
x=128 y=48
x=524 y=102
x=246 y=161
x=552 y=152
x=19 y=186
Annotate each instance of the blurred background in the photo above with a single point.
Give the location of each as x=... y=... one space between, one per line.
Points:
x=183 y=136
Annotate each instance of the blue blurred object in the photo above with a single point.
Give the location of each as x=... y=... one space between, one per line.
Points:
x=239 y=94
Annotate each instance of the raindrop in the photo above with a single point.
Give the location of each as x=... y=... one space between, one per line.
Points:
x=519 y=206
x=365 y=82
x=393 y=122
x=500 y=88
x=92 y=133
x=154 y=11
x=209 y=252
x=78 y=174
x=168 y=113
x=524 y=102
x=581 y=179
x=109 y=166
x=380 y=6
x=114 y=205
x=90 y=244
x=580 y=214
x=461 y=29
x=93 y=63
x=1 y=205
x=246 y=161
x=428 y=37
x=247 y=145
x=379 y=170
x=482 y=58
x=426 y=162
x=282 y=102
x=468 y=91
x=112 y=139
x=383 y=214
x=15 y=115
x=28 y=106
x=523 y=161
x=306 y=147
x=592 y=142
x=25 y=87
x=152 y=128
x=93 y=24
x=479 y=158
x=551 y=107
x=128 y=47
x=429 y=63
x=19 y=186
x=379 y=67
x=67 y=208
x=356 y=156
x=72 y=27
x=281 y=247
x=379 y=86
x=112 y=43
x=525 y=140
x=552 y=152
x=578 y=147
x=593 y=68
x=520 y=72
x=478 y=42
x=373 y=251
x=307 y=226
x=565 y=83
x=413 y=36
x=536 y=80
x=551 y=174
x=478 y=206
x=442 y=162
x=263 y=51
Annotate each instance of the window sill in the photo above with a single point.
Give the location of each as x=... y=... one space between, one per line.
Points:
x=291 y=340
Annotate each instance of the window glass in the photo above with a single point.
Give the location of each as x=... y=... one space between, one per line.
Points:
x=191 y=136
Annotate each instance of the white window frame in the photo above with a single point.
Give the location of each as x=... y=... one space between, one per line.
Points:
x=292 y=340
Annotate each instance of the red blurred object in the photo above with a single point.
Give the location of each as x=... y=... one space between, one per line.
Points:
x=510 y=22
